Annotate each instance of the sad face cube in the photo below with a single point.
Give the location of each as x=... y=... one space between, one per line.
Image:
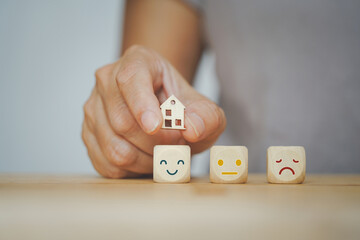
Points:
x=228 y=164
x=286 y=164
x=172 y=163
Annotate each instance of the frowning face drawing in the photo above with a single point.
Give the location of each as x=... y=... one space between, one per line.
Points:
x=286 y=164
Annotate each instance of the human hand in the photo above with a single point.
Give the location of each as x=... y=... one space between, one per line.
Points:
x=122 y=117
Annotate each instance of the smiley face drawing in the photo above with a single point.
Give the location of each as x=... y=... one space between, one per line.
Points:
x=228 y=164
x=172 y=163
x=286 y=164
x=179 y=162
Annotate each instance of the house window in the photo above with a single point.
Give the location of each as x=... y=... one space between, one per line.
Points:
x=168 y=112
x=178 y=122
x=168 y=123
x=173 y=102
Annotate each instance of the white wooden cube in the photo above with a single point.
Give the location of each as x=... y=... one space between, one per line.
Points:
x=286 y=164
x=172 y=163
x=228 y=164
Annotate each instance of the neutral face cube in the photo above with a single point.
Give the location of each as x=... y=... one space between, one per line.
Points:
x=172 y=163
x=228 y=164
x=286 y=164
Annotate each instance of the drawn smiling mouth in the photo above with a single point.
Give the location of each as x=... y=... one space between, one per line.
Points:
x=171 y=173
x=288 y=168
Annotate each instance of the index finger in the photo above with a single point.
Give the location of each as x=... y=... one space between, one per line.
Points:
x=137 y=79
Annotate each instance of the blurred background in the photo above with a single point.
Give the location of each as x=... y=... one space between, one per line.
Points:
x=49 y=51
x=305 y=52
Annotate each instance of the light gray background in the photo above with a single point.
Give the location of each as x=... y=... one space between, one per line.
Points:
x=49 y=51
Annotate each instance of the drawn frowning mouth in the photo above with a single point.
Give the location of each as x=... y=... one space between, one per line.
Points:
x=288 y=168
x=172 y=173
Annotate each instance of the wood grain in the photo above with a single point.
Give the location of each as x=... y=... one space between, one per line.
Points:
x=91 y=207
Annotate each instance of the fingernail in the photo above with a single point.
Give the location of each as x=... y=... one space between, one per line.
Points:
x=150 y=121
x=196 y=123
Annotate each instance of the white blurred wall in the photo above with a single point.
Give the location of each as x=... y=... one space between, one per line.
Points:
x=49 y=51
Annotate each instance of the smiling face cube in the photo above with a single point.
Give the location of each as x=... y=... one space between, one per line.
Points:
x=286 y=164
x=228 y=164
x=172 y=163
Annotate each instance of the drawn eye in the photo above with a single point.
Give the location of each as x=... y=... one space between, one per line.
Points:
x=238 y=162
x=163 y=161
x=295 y=161
x=279 y=161
x=220 y=162
x=180 y=161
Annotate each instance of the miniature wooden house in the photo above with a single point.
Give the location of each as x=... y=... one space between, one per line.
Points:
x=173 y=113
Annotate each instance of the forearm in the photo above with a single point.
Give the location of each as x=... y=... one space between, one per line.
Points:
x=169 y=27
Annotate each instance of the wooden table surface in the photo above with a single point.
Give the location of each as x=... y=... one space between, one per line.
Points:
x=91 y=207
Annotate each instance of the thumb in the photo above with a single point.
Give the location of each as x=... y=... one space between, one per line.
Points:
x=203 y=119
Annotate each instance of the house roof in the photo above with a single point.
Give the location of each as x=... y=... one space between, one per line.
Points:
x=172 y=97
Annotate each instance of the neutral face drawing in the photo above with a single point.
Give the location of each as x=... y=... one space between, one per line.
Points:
x=228 y=164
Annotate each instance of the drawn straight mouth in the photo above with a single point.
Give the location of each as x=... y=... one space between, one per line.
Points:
x=229 y=173
x=288 y=168
x=172 y=173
